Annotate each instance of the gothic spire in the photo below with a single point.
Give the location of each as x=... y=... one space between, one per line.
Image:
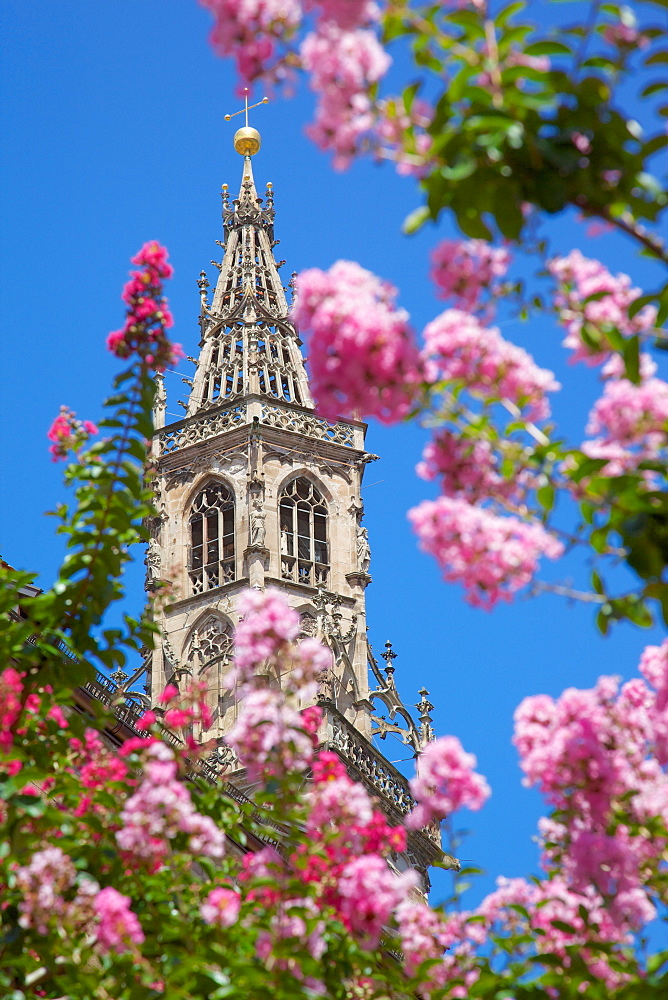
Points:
x=248 y=346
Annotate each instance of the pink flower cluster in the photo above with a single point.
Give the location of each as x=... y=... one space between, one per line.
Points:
x=589 y=298
x=548 y=903
x=104 y=913
x=118 y=927
x=423 y=937
x=632 y=415
x=351 y=839
x=590 y=752
x=468 y=468
x=221 y=907
x=343 y=65
x=251 y=30
x=161 y=809
x=369 y=891
x=68 y=433
x=148 y=316
x=362 y=353
x=268 y=624
x=491 y=556
x=42 y=882
x=446 y=781
x=459 y=348
x=11 y=689
x=463 y=269
x=269 y=736
x=654 y=668
x=272 y=735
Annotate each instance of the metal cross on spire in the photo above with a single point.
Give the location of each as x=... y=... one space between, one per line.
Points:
x=246 y=109
x=247 y=139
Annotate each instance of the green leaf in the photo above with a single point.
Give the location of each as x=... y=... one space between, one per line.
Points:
x=632 y=359
x=546 y=496
x=415 y=219
x=547 y=48
x=657 y=58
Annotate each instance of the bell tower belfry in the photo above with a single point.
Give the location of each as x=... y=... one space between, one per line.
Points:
x=254 y=489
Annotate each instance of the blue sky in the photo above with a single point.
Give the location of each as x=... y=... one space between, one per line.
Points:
x=114 y=133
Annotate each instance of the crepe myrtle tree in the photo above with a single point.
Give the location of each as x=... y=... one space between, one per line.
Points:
x=122 y=874
x=118 y=870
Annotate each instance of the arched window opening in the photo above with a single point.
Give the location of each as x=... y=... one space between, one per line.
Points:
x=211 y=561
x=303 y=527
x=211 y=641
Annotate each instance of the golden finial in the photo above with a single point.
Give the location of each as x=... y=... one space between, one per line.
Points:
x=247 y=139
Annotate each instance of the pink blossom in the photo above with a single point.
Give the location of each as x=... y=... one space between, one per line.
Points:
x=11 y=689
x=369 y=892
x=343 y=67
x=148 y=315
x=56 y=713
x=363 y=358
x=68 y=433
x=491 y=556
x=654 y=668
x=628 y=414
x=580 y=278
x=170 y=692
x=346 y=14
x=468 y=467
x=463 y=350
x=269 y=737
x=251 y=31
x=42 y=883
x=625 y=36
x=221 y=907
x=96 y=765
x=581 y=142
x=423 y=937
x=589 y=752
x=337 y=803
x=445 y=781
x=464 y=269
x=161 y=809
x=268 y=624
x=118 y=927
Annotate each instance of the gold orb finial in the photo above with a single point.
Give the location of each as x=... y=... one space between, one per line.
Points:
x=247 y=140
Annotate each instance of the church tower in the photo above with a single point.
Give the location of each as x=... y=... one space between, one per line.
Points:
x=254 y=489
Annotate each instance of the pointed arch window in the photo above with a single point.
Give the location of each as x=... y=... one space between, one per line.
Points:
x=211 y=560
x=303 y=529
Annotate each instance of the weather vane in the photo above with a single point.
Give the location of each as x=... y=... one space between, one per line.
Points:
x=247 y=139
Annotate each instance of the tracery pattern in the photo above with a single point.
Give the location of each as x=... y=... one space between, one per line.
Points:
x=211 y=558
x=303 y=529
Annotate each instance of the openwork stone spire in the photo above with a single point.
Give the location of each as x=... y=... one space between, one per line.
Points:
x=249 y=346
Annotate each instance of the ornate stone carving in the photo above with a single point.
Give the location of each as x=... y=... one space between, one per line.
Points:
x=196 y=429
x=152 y=563
x=357 y=751
x=308 y=424
x=257 y=522
x=308 y=625
x=363 y=549
x=211 y=642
